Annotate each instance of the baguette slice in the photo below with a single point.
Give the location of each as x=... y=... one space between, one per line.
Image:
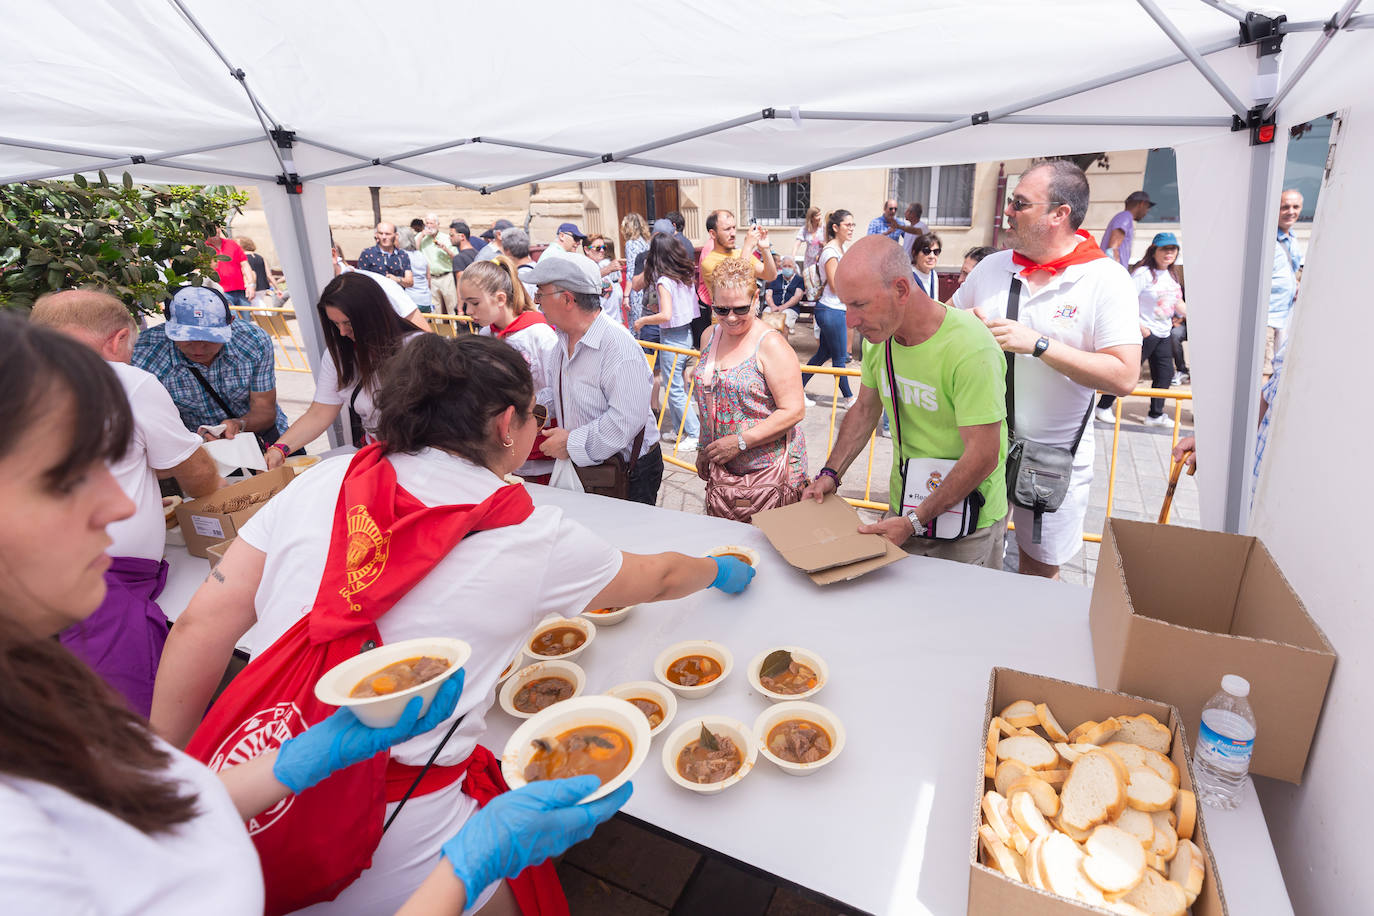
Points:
x=990 y=750
x=1004 y=826
x=1186 y=809
x=999 y=856
x=1008 y=771
x=1078 y=836
x=1060 y=861
x=1146 y=731
x=1021 y=714
x=1005 y=727
x=1157 y=863
x=1049 y=723
x=1046 y=799
x=1032 y=750
x=1139 y=825
x=1080 y=729
x=1189 y=869
x=1071 y=752
x=1094 y=793
x=1157 y=895
x=1033 y=873
x=1100 y=733
x=1115 y=860
x=1148 y=792
x=1027 y=815
x=1136 y=756
x=1166 y=840
x=1054 y=777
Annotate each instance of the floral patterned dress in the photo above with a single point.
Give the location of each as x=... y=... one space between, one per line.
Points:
x=737 y=399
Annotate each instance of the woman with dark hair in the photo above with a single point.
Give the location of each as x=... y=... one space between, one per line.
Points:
x=361 y=330
x=925 y=255
x=670 y=271
x=829 y=315
x=97 y=814
x=455 y=416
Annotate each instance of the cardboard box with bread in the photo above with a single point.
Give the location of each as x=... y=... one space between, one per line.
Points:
x=218 y=516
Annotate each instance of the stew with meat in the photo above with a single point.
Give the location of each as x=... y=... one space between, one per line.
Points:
x=557 y=641
x=797 y=678
x=694 y=670
x=401 y=675
x=798 y=741
x=699 y=763
x=596 y=749
x=652 y=711
x=541 y=693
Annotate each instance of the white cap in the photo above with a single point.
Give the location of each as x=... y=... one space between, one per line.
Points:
x=1235 y=685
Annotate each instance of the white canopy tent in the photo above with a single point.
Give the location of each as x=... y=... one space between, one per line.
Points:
x=297 y=96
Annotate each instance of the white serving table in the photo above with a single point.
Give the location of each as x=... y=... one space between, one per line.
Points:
x=886 y=827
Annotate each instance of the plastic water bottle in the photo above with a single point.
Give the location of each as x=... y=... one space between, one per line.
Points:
x=1225 y=742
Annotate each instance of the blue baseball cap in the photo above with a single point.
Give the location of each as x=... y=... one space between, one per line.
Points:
x=199 y=313
x=1165 y=240
x=571 y=229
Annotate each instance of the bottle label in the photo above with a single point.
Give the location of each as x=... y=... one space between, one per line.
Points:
x=1230 y=749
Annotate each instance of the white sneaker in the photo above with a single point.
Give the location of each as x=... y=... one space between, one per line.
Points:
x=1161 y=420
x=688 y=444
x=807 y=402
x=1105 y=414
x=846 y=403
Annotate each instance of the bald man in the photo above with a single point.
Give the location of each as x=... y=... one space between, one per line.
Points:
x=122 y=641
x=386 y=258
x=439 y=251
x=947 y=489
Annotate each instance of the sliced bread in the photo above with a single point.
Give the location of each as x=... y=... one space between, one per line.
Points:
x=1046 y=798
x=1144 y=730
x=1166 y=839
x=1027 y=815
x=998 y=815
x=1054 y=777
x=1115 y=860
x=1071 y=752
x=1139 y=825
x=999 y=856
x=1157 y=895
x=1148 y=792
x=1135 y=756
x=1032 y=750
x=1008 y=771
x=1094 y=793
x=1060 y=860
x=1185 y=808
x=1004 y=726
x=1021 y=714
x=1101 y=733
x=1033 y=874
x=1189 y=869
x=990 y=750
x=1049 y=723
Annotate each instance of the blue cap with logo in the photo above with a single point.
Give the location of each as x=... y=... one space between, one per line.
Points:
x=199 y=313
x=572 y=230
x=1165 y=240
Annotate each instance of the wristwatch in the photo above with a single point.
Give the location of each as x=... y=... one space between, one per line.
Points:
x=917 y=528
x=1041 y=346
x=742 y=446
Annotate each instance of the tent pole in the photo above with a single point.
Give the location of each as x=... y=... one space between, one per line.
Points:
x=694 y=169
x=1072 y=120
x=689 y=135
x=364 y=162
x=434 y=177
x=1362 y=21
x=539 y=148
x=136 y=159
x=1336 y=23
x=1195 y=58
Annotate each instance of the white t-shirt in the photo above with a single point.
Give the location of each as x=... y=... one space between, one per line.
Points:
x=327 y=391
x=1088 y=306
x=1159 y=293
x=684 y=302
x=59 y=854
x=489 y=591
x=160 y=442
x=828 y=298
x=395 y=293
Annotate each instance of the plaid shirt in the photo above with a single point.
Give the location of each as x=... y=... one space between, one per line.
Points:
x=878 y=226
x=1269 y=393
x=246 y=364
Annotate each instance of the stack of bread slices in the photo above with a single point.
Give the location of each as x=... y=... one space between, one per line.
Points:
x=1094 y=814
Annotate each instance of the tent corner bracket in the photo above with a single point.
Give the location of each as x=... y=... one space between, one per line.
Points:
x=292 y=183
x=285 y=139
x=1265 y=32
x=769 y=114
x=980 y=117
x=1261 y=127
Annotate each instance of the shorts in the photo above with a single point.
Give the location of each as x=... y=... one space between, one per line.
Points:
x=1061 y=531
x=983 y=547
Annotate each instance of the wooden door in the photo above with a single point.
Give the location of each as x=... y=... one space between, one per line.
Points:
x=650 y=199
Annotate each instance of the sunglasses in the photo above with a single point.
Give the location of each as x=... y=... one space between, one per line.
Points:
x=597 y=247
x=1020 y=203
x=931 y=250
x=541 y=415
x=739 y=310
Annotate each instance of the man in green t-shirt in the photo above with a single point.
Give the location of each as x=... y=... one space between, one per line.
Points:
x=951 y=404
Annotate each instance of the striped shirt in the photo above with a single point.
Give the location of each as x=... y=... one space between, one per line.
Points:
x=603 y=394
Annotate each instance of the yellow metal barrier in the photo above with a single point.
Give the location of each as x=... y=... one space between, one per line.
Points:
x=447 y=325
x=276 y=321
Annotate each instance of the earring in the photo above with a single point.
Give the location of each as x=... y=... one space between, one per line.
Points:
x=508 y=442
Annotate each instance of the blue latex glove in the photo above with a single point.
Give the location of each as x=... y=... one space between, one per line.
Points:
x=525 y=826
x=732 y=575
x=341 y=740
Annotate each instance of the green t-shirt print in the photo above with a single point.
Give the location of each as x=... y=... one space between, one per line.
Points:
x=956 y=378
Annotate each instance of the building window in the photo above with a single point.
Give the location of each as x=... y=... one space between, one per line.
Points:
x=779 y=204
x=1305 y=165
x=945 y=192
x=1161 y=183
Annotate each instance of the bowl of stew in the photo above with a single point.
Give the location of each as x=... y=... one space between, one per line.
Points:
x=803 y=677
x=655 y=701
x=560 y=637
x=536 y=687
x=601 y=735
x=747 y=554
x=609 y=616
x=513 y=665
x=692 y=764
x=694 y=668
x=799 y=737
x=378 y=684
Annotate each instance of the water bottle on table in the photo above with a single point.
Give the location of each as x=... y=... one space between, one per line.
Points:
x=1225 y=742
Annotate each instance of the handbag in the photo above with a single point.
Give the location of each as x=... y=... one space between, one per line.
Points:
x=738 y=497
x=1038 y=475
x=612 y=476
x=923 y=476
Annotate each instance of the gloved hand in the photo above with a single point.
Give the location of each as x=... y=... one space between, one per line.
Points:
x=732 y=575
x=341 y=740
x=525 y=826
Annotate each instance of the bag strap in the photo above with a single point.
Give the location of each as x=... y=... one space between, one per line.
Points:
x=210 y=390
x=562 y=414
x=421 y=775
x=892 y=395
x=1013 y=309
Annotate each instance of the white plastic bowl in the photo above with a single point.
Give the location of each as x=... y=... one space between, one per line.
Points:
x=551 y=623
x=750 y=554
x=552 y=668
x=806 y=657
x=648 y=690
x=781 y=712
x=609 y=618
x=385 y=711
x=514 y=664
x=689 y=731
x=693 y=647
x=569 y=714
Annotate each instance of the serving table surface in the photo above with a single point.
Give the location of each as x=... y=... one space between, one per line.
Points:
x=886 y=827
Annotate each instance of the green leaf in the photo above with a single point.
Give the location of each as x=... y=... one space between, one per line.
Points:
x=707 y=739
x=80 y=180
x=128 y=181
x=775 y=663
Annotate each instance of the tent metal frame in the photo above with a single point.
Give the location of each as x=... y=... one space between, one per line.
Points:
x=113 y=162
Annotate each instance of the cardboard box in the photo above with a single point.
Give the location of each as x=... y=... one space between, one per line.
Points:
x=215 y=552
x=1173 y=609
x=210 y=519
x=822 y=540
x=991 y=893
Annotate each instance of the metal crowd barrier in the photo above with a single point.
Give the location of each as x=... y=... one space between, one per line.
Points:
x=276 y=321
x=447 y=325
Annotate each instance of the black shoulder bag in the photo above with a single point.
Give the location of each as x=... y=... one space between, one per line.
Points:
x=1037 y=474
x=263 y=439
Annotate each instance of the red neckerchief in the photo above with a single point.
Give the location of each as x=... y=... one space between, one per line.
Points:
x=1086 y=251
x=522 y=321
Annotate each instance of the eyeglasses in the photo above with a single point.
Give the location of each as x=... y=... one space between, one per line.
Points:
x=739 y=310
x=890 y=209
x=541 y=415
x=597 y=247
x=931 y=250
x=1020 y=203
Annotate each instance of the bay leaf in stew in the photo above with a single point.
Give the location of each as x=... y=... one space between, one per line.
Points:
x=708 y=740
x=775 y=663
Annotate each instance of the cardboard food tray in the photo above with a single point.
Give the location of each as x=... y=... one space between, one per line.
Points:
x=1173 y=609
x=991 y=893
x=219 y=516
x=821 y=540
x=215 y=552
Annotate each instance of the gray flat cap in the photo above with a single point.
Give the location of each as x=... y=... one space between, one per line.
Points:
x=565 y=273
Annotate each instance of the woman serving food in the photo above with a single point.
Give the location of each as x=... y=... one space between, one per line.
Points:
x=455 y=415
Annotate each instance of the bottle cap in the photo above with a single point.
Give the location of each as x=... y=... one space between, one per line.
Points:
x=1235 y=685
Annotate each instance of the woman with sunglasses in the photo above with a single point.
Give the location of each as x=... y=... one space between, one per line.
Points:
x=749 y=390
x=829 y=315
x=670 y=269
x=925 y=255
x=601 y=250
x=493 y=295
x=456 y=416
